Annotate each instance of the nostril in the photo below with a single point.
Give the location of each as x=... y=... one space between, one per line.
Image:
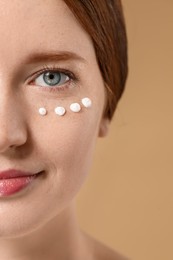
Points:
x=11 y=146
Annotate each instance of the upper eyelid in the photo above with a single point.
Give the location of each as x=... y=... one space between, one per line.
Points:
x=47 y=69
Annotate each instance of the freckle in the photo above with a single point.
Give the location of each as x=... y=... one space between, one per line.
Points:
x=75 y=107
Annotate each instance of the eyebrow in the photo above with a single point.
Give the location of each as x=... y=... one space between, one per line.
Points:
x=53 y=56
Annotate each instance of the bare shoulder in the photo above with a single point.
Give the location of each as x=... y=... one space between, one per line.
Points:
x=101 y=251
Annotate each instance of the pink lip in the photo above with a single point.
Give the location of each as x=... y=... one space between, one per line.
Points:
x=12 y=181
x=12 y=173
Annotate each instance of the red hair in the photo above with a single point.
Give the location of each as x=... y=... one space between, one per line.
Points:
x=104 y=21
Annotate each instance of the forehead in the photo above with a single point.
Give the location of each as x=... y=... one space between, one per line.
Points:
x=40 y=24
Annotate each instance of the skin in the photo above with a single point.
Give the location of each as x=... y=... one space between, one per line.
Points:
x=40 y=222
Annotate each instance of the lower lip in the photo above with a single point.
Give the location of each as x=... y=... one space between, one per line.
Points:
x=14 y=185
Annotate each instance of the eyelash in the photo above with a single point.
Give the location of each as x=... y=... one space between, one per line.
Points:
x=53 y=68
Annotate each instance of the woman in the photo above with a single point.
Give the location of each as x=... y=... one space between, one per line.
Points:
x=63 y=67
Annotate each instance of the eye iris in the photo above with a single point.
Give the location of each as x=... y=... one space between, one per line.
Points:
x=52 y=78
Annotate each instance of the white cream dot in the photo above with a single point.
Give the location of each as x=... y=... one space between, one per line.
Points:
x=42 y=111
x=87 y=102
x=75 y=107
x=60 y=111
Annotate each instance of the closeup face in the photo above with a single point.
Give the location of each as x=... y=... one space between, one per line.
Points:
x=37 y=35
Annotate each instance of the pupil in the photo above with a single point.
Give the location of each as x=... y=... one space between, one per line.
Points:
x=51 y=76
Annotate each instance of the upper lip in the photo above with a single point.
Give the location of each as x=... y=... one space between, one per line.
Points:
x=13 y=173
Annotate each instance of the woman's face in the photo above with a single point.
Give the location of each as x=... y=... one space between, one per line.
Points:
x=61 y=146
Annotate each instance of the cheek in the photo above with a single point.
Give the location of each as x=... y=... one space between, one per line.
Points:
x=66 y=146
x=62 y=141
x=69 y=138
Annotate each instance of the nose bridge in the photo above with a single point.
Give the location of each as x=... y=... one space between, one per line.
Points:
x=12 y=129
x=9 y=110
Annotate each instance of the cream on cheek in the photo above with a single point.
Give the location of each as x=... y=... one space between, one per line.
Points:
x=63 y=145
x=63 y=128
x=66 y=145
x=74 y=107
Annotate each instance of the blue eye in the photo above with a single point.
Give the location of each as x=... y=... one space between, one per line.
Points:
x=51 y=78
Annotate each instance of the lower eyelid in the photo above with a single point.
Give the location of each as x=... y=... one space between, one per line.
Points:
x=68 y=85
x=54 y=89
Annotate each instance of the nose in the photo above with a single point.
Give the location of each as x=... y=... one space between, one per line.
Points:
x=12 y=126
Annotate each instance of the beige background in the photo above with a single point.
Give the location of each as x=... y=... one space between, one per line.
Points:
x=127 y=200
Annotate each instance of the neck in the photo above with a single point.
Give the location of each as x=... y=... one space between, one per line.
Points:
x=59 y=238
